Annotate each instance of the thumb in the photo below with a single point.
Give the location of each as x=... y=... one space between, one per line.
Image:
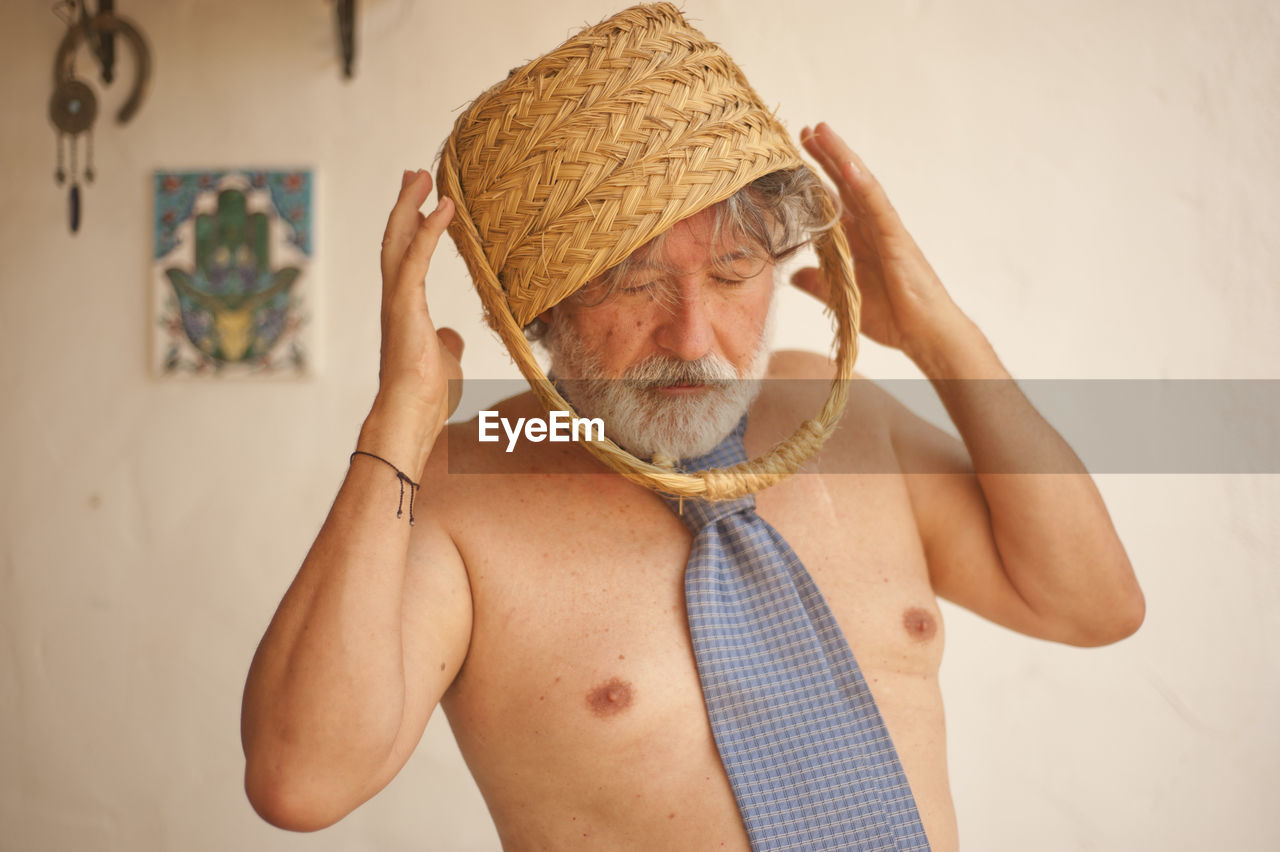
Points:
x=812 y=281
x=452 y=341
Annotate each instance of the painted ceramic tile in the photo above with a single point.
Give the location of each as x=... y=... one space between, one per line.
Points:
x=232 y=273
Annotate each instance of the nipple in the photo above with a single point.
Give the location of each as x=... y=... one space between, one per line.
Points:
x=609 y=698
x=919 y=623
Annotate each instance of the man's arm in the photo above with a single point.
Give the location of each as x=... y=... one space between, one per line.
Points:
x=361 y=649
x=1033 y=551
x=377 y=622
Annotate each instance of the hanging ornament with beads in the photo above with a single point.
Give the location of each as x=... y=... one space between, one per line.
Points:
x=73 y=106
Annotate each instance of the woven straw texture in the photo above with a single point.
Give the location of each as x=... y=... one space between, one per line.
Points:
x=574 y=161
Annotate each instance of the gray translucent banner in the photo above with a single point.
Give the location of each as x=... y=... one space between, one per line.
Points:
x=1111 y=425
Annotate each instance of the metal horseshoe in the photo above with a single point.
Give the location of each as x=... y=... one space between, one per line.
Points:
x=107 y=23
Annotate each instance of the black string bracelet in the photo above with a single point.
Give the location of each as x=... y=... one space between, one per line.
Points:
x=400 y=475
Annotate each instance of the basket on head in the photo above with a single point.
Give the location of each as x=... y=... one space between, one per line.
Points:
x=582 y=156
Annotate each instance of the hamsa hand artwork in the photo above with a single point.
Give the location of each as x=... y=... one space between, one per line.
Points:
x=230 y=274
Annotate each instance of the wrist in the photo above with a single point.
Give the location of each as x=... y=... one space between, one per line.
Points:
x=400 y=432
x=953 y=348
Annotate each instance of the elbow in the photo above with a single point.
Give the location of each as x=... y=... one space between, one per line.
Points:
x=1129 y=612
x=287 y=804
x=1136 y=614
x=1122 y=621
x=305 y=786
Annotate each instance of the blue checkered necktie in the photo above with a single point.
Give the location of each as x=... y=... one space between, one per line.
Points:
x=809 y=758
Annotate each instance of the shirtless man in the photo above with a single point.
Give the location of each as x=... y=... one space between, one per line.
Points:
x=543 y=607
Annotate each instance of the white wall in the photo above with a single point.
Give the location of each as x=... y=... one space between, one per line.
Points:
x=1096 y=183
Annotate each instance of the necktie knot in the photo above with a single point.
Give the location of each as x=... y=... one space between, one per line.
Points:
x=697 y=513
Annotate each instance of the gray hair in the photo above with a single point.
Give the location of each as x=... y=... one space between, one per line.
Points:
x=777 y=215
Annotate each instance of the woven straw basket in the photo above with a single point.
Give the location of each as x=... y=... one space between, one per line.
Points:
x=579 y=158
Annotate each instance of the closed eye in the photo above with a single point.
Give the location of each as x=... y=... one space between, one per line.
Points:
x=648 y=286
x=653 y=286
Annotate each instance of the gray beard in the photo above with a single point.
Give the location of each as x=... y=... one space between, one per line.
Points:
x=638 y=416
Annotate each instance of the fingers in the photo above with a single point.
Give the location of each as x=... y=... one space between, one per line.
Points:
x=810 y=141
x=417 y=255
x=859 y=189
x=834 y=165
x=836 y=149
x=404 y=221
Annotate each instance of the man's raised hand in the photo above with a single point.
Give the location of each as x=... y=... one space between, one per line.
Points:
x=904 y=304
x=417 y=362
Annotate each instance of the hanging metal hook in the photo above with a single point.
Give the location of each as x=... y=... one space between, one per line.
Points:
x=94 y=30
x=73 y=105
x=346 y=12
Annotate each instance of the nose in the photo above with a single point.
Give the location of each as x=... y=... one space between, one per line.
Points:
x=685 y=330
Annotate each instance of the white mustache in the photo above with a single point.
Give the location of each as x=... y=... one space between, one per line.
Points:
x=662 y=371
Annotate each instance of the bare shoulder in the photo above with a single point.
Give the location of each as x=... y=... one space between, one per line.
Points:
x=801 y=382
x=866 y=397
x=464 y=470
x=798 y=364
x=790 y=365
x=459 y=451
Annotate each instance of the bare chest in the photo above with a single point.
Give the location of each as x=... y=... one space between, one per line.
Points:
x=580 y=662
